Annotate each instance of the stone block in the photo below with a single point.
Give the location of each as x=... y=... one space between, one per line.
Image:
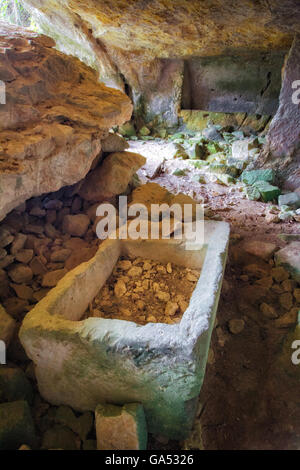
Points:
x=121 y=428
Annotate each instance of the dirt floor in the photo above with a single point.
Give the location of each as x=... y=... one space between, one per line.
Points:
x=247 y=401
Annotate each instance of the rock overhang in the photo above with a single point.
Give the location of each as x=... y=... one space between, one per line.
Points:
x=207 y=28
x=55 y=115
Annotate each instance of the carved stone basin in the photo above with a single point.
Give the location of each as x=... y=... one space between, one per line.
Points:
x=82 y=363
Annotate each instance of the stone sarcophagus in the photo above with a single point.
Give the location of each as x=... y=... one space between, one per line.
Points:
x=82 y=363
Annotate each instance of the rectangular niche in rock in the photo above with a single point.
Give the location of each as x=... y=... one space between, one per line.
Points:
x=249 y=83
x=82 y=360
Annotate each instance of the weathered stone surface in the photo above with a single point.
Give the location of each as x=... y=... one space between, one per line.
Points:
x=60 y=255
x=20 y=273
x=288 y=319
x=259 y=248
x=197 y=29
x=253 y=176
x=282 y=148
x=291 y=199
x=149 y=192
x=37 y=266
x=297 y=295
x=289 y=257
x=6 y=261
x=198 y=120
x=24 y=256
x=16 y=425
x=241 y=149
x=15 y=306
x=149 y=44
x=7 y=326
x=51 y=279
x=286 y=300
x=14 y=385
x=56 y=114
x=267 y=191
x=279 y=274
x=121 y=428
x=76 y=225
x=112 y=177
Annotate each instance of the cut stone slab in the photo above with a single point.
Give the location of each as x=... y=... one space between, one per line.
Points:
x=121 y=428
x=267 y=191
x=16 y=426
x=51 y=140
x=7 y=326
x=81 y=363
x=292 y=200
x=290 y=320
x=241 y=149
x=24 y=256
x=51 y=279
x=14 y=385
x=18 y=243
x=89 y=444
x=23 y=292
x=6 y=238
x=282 y=140
x=268 y=311
x=60 y=255
x=15 y=306
x=236 y=325
x=59 y=438
x=289 y=258
x=20 y=273
x=252 y=176
x=252 y=193
x=279 y=274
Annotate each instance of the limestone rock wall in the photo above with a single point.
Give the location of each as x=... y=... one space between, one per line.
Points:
x=176 y=28
x=283 y=139
x=129 y=42
x=248 y=83
x=54 y=118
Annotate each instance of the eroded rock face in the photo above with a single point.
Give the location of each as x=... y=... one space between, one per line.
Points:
x=148 y=43
x=283 y=138
x=112 y=177
x=56 y=114
x=176 y=29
